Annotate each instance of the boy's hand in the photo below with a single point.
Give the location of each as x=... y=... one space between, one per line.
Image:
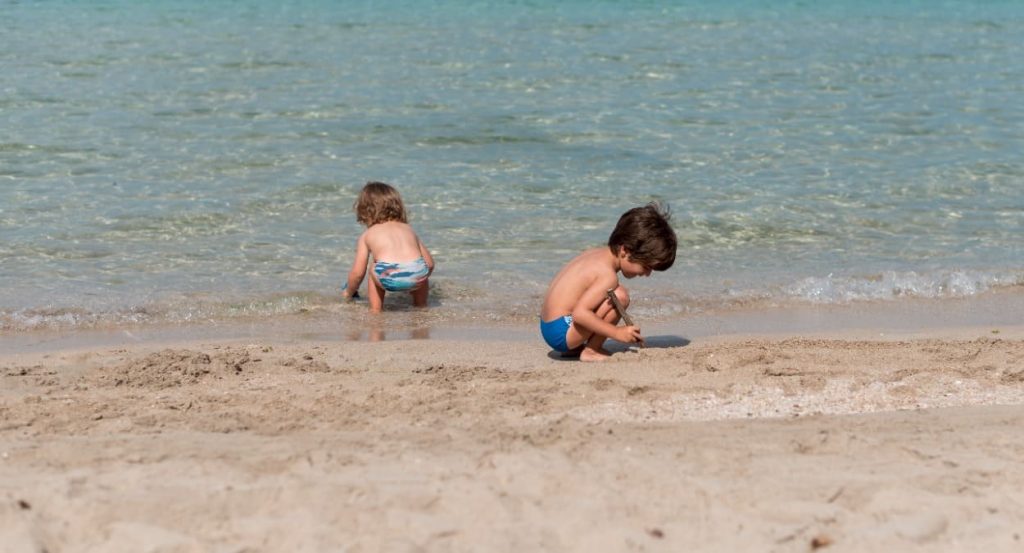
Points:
x=628 y=334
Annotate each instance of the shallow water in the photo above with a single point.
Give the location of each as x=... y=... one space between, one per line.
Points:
x=184 y=162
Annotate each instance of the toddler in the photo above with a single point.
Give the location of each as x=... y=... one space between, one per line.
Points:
x=401 y=263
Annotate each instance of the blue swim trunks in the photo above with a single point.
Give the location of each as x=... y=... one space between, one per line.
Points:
x=401 y=277
x=554 y=332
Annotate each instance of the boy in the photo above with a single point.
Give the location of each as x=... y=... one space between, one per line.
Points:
x=577 y=316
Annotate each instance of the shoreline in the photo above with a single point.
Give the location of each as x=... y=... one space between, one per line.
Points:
x=995 y=314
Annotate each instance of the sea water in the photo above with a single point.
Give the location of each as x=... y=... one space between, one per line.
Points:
x=191 y=161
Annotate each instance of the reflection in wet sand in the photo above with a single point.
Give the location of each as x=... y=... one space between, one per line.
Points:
x=378 y=333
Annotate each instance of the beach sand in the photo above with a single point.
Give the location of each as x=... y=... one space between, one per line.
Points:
x=742 y=443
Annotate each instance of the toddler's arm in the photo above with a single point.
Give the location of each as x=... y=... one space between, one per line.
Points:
x=426 y=257
x=359 y=265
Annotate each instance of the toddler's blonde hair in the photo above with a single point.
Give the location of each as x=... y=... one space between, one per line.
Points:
x=379 y=202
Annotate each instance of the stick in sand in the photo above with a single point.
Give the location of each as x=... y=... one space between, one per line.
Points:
x=622 y=312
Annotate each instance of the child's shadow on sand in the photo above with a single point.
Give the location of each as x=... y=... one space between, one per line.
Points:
x=663 y=341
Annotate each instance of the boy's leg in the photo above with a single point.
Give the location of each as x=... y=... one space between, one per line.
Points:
x=578 y=336
x=421 y=294
x=376 y=294
x=594 y=348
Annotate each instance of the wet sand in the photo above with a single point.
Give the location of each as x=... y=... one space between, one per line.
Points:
x=842 y=442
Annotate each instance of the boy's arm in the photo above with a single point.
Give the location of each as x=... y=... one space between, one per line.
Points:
x=585 y=313
x=355 y=276
x=426 y=257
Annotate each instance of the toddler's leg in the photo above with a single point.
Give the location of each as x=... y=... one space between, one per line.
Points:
x=376 y=294
x=594 y=349
x=421 y=294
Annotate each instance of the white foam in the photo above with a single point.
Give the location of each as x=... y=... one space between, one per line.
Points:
x=891 y=285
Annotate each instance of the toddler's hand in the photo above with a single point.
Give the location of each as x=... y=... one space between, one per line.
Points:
x=346 y=295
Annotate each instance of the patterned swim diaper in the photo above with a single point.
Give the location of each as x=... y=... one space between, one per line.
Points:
x=401 y=277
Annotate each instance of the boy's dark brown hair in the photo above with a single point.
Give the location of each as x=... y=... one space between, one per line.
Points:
x=646 y=234
x=379 y=202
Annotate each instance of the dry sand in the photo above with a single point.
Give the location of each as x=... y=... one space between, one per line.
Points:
x=730 y=444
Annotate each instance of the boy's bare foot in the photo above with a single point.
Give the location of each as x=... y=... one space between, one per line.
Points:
x=589 y=354
x=573 y=353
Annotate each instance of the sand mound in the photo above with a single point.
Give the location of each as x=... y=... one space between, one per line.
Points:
x=170 y=368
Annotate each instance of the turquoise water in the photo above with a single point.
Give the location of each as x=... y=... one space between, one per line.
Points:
x=185 y=161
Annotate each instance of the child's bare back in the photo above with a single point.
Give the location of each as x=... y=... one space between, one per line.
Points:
x=392 y=241
x=592 y=268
